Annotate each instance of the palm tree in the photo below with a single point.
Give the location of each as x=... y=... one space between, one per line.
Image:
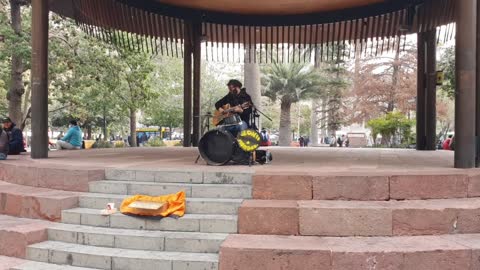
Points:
x=289 y=83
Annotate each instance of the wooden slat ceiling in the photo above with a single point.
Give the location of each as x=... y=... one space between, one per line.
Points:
x=272 y=7
x=151 y=31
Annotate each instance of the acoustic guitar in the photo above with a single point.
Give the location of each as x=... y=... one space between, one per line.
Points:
x=228 y=111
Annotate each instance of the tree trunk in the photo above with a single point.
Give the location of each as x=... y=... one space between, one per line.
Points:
x=104 y=126
x=324 y=122
x=314 y=118
x=89 y=132
x=396 y=70
x=285 y=122
x=252 y=80
x=17 y=89
x=133 y=127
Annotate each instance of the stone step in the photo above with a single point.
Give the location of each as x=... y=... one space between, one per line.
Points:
x=194 y=205
x=119 y=259
x=7 y=263
x=176 y=176
x=232 y=191
x=137 y=239
x=17 y=233
x=360 y=218
x=31 y=265
x=35 y=202
x=254 y=252
x=364 y=187
x=187 y=223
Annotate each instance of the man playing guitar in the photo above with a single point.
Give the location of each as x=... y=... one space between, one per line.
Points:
x=238 y=104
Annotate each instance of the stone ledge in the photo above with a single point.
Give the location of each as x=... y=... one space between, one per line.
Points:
x=360 y=218
x=253 y=252
x=34 y=202
x=18 y=233
x=34 y=175
x=365 y=187
x=273 y=217
x=6 y=263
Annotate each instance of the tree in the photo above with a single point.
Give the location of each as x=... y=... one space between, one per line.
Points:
x=16 y=50
x=384 y=84
x=289 y=83
x=137 y=73
x=393 y=127
x=447 y=64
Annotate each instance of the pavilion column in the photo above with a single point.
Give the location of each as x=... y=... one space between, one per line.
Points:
x=431 y=91
x=421 y=93
x=187 y=85
x=197 y=64
x=39 y=77
x=477 y=129
x=465 y=95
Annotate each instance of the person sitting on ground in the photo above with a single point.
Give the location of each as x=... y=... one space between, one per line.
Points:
x=4 y=144
x=15 y=136
x=72 y=140
x=447 y=142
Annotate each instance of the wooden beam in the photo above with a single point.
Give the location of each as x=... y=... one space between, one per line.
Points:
x=39 y=79
x=197 y=64
x=431 y=91
x=421 y=96
x=187 y=86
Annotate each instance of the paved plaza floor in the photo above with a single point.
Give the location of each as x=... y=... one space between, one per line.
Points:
x=286 y=160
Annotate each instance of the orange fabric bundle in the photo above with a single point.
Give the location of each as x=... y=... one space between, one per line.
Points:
x=176 y=205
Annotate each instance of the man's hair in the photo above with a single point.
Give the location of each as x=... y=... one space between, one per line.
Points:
x=235 y=83
x=7 y=120
x=74 y=122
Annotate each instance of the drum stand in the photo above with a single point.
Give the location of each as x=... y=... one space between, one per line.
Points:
x=206 y=116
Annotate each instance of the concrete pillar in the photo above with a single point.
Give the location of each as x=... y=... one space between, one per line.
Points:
x=465 y=95
x=252 y=80
x=187 y=86
x=431 y=91
x=197 y=65
x=39 y=79
x=421 y=95
x=477 y=129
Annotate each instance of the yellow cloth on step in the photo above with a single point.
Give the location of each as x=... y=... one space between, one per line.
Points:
x=176 y=205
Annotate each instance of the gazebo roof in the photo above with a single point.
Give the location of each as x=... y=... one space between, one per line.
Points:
x=268 y=23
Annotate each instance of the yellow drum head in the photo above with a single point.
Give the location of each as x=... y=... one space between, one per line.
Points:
x=248 y=140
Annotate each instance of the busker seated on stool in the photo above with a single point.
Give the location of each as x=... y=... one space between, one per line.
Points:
x=15 y=135
x=72 y=140
x=240 y=103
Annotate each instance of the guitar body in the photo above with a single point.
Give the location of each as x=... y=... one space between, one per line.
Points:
x=228 y=111
x=218 y=116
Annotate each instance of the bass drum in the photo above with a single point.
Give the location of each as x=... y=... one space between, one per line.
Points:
x=217 y=147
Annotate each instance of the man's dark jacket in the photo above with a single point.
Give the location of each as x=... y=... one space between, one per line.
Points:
x=16 y=140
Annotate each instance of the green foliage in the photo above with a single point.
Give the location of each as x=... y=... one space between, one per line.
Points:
x=291 y=82
x=102 y=144
x=447 y=64
x=119 y=144
x=392 y=125
x=156 y=142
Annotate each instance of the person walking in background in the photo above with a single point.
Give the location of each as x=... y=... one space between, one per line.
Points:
x=340 y=141
x=301 y=141
x=15 y=135
x=264 y=138
x=72 y=140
